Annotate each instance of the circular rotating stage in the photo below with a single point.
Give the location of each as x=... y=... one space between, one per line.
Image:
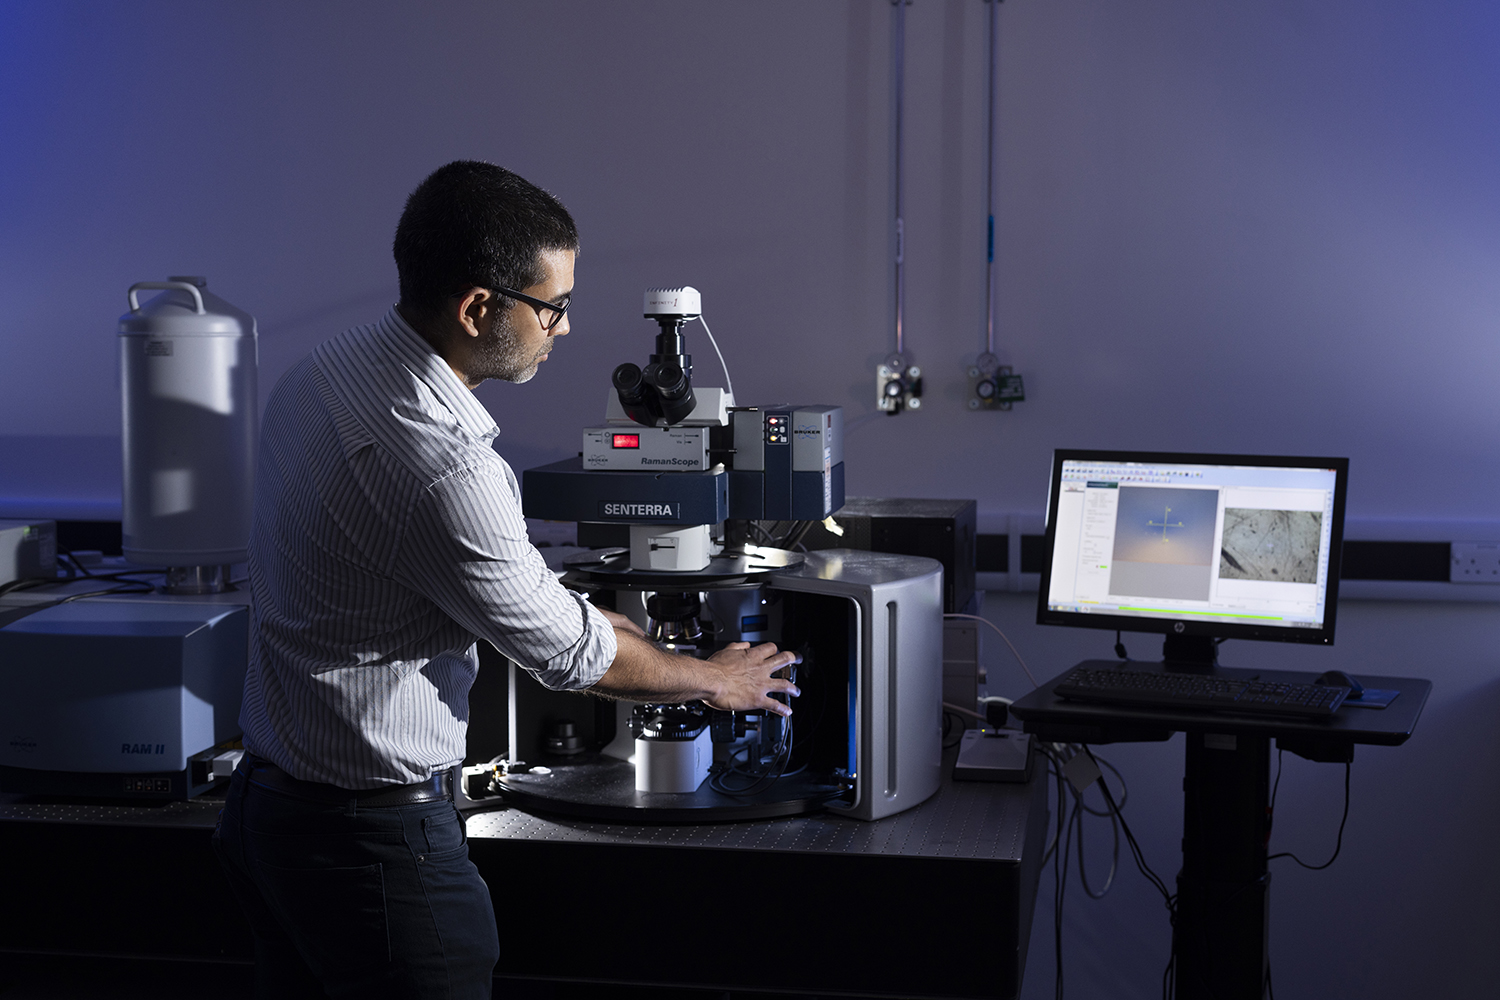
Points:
x=593 y=786
x=611 y=568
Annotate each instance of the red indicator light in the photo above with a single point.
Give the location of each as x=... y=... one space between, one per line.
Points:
x=627 y=441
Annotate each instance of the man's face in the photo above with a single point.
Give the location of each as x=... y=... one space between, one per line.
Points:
x=515 y=343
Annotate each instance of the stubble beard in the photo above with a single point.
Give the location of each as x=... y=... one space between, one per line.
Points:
x=502 y=355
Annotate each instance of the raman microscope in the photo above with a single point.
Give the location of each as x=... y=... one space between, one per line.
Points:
x=693 y=507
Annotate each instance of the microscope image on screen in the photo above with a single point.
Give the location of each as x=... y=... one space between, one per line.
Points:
x=1275 y=546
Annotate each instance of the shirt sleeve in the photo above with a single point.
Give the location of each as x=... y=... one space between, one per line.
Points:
x=466 y=550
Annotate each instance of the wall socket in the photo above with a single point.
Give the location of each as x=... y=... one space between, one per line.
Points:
x=1475 y=562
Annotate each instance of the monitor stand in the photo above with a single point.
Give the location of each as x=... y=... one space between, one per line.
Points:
x=1190 y=654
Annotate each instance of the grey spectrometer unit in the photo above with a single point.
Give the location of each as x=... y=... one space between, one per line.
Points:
x=135 y=693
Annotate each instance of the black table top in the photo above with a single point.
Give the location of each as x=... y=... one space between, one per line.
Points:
x=1051 y=717
x=966 y=820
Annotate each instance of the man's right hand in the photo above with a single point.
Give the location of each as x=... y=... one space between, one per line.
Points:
x=747 y=680
x=736 y=678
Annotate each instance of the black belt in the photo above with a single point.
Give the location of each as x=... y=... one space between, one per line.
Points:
x=262 y=772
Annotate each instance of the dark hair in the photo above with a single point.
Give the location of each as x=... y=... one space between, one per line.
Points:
x=475 y=224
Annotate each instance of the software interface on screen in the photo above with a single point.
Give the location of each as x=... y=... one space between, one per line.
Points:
x=1239 y=544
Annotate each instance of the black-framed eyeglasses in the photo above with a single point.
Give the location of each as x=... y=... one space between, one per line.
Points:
x=540 y=305
x=558 y=311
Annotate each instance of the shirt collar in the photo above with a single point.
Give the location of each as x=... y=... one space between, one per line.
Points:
x=413 y=350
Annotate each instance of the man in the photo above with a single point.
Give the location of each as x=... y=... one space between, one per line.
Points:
x=388 y=538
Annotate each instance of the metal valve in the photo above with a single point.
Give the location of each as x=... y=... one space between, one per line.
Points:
x=898 y=385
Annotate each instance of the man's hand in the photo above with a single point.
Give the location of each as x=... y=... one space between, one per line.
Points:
x=747 y=681
x=736 y=678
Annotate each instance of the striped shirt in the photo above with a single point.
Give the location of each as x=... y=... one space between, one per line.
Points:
x=388 y=537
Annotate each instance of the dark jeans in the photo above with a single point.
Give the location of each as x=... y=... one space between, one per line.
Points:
x=349 y=901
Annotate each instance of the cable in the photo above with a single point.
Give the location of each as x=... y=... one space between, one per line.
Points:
x=898 y=73
x=1168 y=976
x=1080 y=805
x=78 y=565
x=1059 y=875
x=22 y=584
x=1049 y=750
x=1124 y=789
x=798 y=532
x=989 y=188
x=79 y=569
x=728 y=382
x=1338 y=844
x=1071 y=818
x=1029 y=674
x=1275 y=787
x=133 y=587
x=947 y=727
x=1114 y=859
x=1135 y=848
x=1114 y=825
x=765 y=537
x=9 y=615
x=948 y=707
x=762 y=781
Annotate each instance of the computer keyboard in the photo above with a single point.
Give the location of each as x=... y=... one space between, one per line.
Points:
x=1200 y=692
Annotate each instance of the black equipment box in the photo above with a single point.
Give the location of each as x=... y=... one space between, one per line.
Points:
x=939 y=529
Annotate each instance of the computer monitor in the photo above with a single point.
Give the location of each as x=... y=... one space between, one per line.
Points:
x=1198 y=547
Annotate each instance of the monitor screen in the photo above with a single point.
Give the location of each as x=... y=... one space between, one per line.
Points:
x=1227 y=546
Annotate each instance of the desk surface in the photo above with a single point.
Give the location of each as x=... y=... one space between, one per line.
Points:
x=977 y=821
x=1044 y=712
x=202 y=812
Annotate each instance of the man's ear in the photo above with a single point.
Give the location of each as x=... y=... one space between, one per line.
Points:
x=475 y=311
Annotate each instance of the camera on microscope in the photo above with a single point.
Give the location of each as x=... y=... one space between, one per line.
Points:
x=662 y=392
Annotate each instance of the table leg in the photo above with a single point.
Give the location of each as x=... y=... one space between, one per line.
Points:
x=1222 y=890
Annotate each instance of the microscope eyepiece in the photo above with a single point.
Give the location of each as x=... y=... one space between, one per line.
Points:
x=669 y=380
x=627 y=379
x=635 y=394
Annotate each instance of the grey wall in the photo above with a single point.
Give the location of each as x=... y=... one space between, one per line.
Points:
x=1262 y=227
x=1221 y=227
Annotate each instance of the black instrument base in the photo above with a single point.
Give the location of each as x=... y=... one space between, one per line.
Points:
x=593 y=786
